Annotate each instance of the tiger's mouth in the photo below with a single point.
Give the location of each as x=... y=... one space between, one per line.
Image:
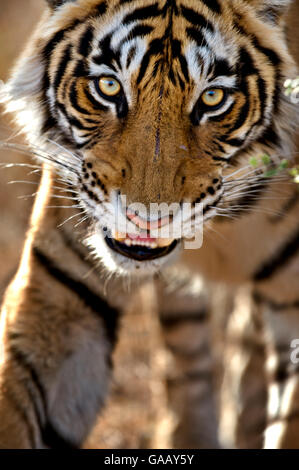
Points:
x=141 y=248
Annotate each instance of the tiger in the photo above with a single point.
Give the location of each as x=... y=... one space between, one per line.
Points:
x=127 y=104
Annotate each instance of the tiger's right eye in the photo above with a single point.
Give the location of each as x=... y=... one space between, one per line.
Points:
x=109 y=86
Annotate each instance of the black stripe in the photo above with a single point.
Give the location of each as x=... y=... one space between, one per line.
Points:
x=73 y=95
x=80 y=69
x=23 y=360
x=196 y=35
x=174 y=320
x=212 y=5
x=142 y=13
x=63 y=63
x=269 y=137
x=285 y=372
x=122 y=107
x=246 y=65
x=263 y=97
x=275 y=306
x=74 y=246
x=50 y=46
x=217 y=144
x=219 y=159
x=108 y=314
x=221 y=116
x=176 y=51
x=243 y=112
x=102 y=8
x=281 y=257
x=222 y=67
x=137 y=31
x=104 y=59
x=107 y=55
x=273 y=58
x=26 y=364
x=131 y=56
x=196 y=19
x=271 y=55
x=96 y=104
x=74 y=121
x=234 y=142
x=155 y=48
x=85 y=42
x=287 y=207
x=54 y=440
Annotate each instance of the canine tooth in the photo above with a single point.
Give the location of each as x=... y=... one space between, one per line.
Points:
x=162 y=242
x=127 y=242
x=120 y=236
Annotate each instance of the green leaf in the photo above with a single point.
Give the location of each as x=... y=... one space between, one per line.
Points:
x=283 y=164
x=266 y=159
x=294 y=172
x=253 y=161
x=270 y=173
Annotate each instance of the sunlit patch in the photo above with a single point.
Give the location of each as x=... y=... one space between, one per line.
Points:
x=273 y=435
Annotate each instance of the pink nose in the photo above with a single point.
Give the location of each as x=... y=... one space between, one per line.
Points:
x=145 y=224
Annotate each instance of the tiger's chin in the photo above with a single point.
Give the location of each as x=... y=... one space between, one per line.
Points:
x=127 y=256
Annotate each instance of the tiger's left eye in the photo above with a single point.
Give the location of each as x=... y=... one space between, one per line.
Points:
x=213 y=97
x=109 y=86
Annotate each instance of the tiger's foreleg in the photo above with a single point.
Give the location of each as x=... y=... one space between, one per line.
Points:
x=243 y=390
x=184 y=315
x=57 y=336
x=55 y=361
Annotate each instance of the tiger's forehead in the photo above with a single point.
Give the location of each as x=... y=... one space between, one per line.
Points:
x=124 y=36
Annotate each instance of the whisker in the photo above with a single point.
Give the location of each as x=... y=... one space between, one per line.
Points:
x=81 y=221
x=35 y=183
x=65 y=149
x=69 y=218
x=26 y=196
x=64 y=207
x=46 y=157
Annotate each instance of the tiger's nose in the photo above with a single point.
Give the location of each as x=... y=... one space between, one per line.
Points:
x=147 y=224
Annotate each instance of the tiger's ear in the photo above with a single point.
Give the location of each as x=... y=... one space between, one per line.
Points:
x=271 y=10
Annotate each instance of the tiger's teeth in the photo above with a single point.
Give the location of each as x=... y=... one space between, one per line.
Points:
x=158 y=243
x=162 y=242
x=120 y=237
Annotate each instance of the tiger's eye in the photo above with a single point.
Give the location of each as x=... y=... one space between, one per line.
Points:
x=212 y=97
x=109 y=86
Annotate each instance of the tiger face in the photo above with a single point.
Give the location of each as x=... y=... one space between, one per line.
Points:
x=157 y=101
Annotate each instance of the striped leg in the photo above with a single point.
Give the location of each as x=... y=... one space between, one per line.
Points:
x=243 y=391
x=186 y=328
x=57 y=336
x=282 y=326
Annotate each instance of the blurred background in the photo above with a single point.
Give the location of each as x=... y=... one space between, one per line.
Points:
x=137 y=402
